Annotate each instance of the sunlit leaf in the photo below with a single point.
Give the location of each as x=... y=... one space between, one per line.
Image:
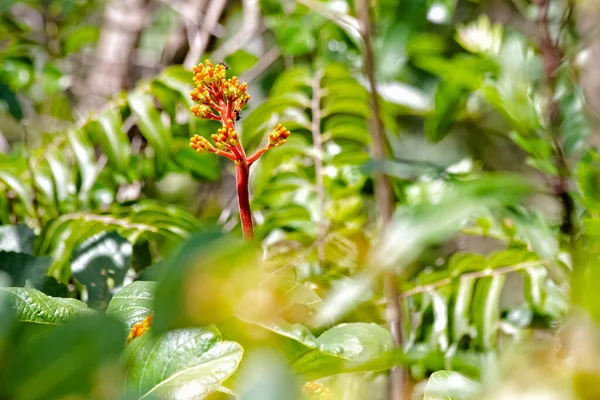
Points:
x=180 y=364
x=133 y=303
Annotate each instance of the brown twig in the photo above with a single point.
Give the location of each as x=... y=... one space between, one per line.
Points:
x=247 y=32
x=552 y=56
x=263 y=63
x=398 y=383
x=318 y=160
x=200 y=40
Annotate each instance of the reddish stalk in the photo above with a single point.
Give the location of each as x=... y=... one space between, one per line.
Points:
x=242 y=172
x=221 y=99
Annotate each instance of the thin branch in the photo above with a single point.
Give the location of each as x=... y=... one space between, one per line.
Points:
x=552 y=56
x=29 y=158
x=318 y=160
x=263 y=63
x=342 y=20
x=470 y=275
x=200 y=41
x=246 y=33
x=398 y=383
x=218 y=30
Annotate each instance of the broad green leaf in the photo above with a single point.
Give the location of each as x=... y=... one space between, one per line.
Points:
x=17 y=238
x=181 y=364
x=101 y=263
x=347 y=128
x=208 y=262
x=439 y=330
x=62 y=235
x=344 y=348
x=294 y=37
x=84 y=154
x=78 y=37
x=461 y=313
x=449 y=101
x=19 y=187
x=70 y=360
x=133 y=303
x=486 y=309
x=151 y=125
x=200 y=165
x=34 y=307
x=115 y=143
x=450 y=385
x=63 y=184
x=292 y=80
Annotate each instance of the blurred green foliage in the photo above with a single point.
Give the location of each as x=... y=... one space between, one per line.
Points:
x=108 y=220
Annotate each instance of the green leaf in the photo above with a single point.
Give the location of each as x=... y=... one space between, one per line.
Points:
x=63 y=184
x=486 y=310
x=343 y=347
x=152 y=127
x=10 y=102
x=439 y=330
x=461 y=313
x=133 y=303
x=294 y=37
x=19 y=187
x=416 y=227
x=115 y=143
x=449 y=101
x=84 y=154
x=184 y=363
x=39 y=312
x=70 y=360
x=200 y=165
x=101 y=263
x=535 y=286
x=450 y=385
x=219 y=264
x=78 y=37
x=63 y=234
x=17 y=238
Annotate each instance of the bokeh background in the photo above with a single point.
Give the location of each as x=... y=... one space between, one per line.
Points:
x=123 y=273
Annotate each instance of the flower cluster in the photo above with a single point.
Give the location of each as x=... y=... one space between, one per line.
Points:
x=221 y=99
x=140 y=328
x=278 y=135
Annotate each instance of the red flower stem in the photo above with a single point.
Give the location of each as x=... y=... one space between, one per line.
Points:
x=224 y=154
x=242 y=172
x=258 y=153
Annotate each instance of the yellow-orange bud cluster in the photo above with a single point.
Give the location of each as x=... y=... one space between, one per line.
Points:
x=216 y=96
x=225 y=136
x=140 y=328
x=278 y=136
x=221 y=99
x=200 y=143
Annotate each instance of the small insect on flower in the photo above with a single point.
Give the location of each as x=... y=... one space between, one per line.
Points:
x=224 y=64
x=238 y=115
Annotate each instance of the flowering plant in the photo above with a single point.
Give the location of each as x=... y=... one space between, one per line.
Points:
x=220 y=99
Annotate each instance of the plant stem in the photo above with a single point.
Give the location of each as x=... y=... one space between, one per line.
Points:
x=398 y=388
x=242 y=173
x=552 y=56
x=318 y=158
